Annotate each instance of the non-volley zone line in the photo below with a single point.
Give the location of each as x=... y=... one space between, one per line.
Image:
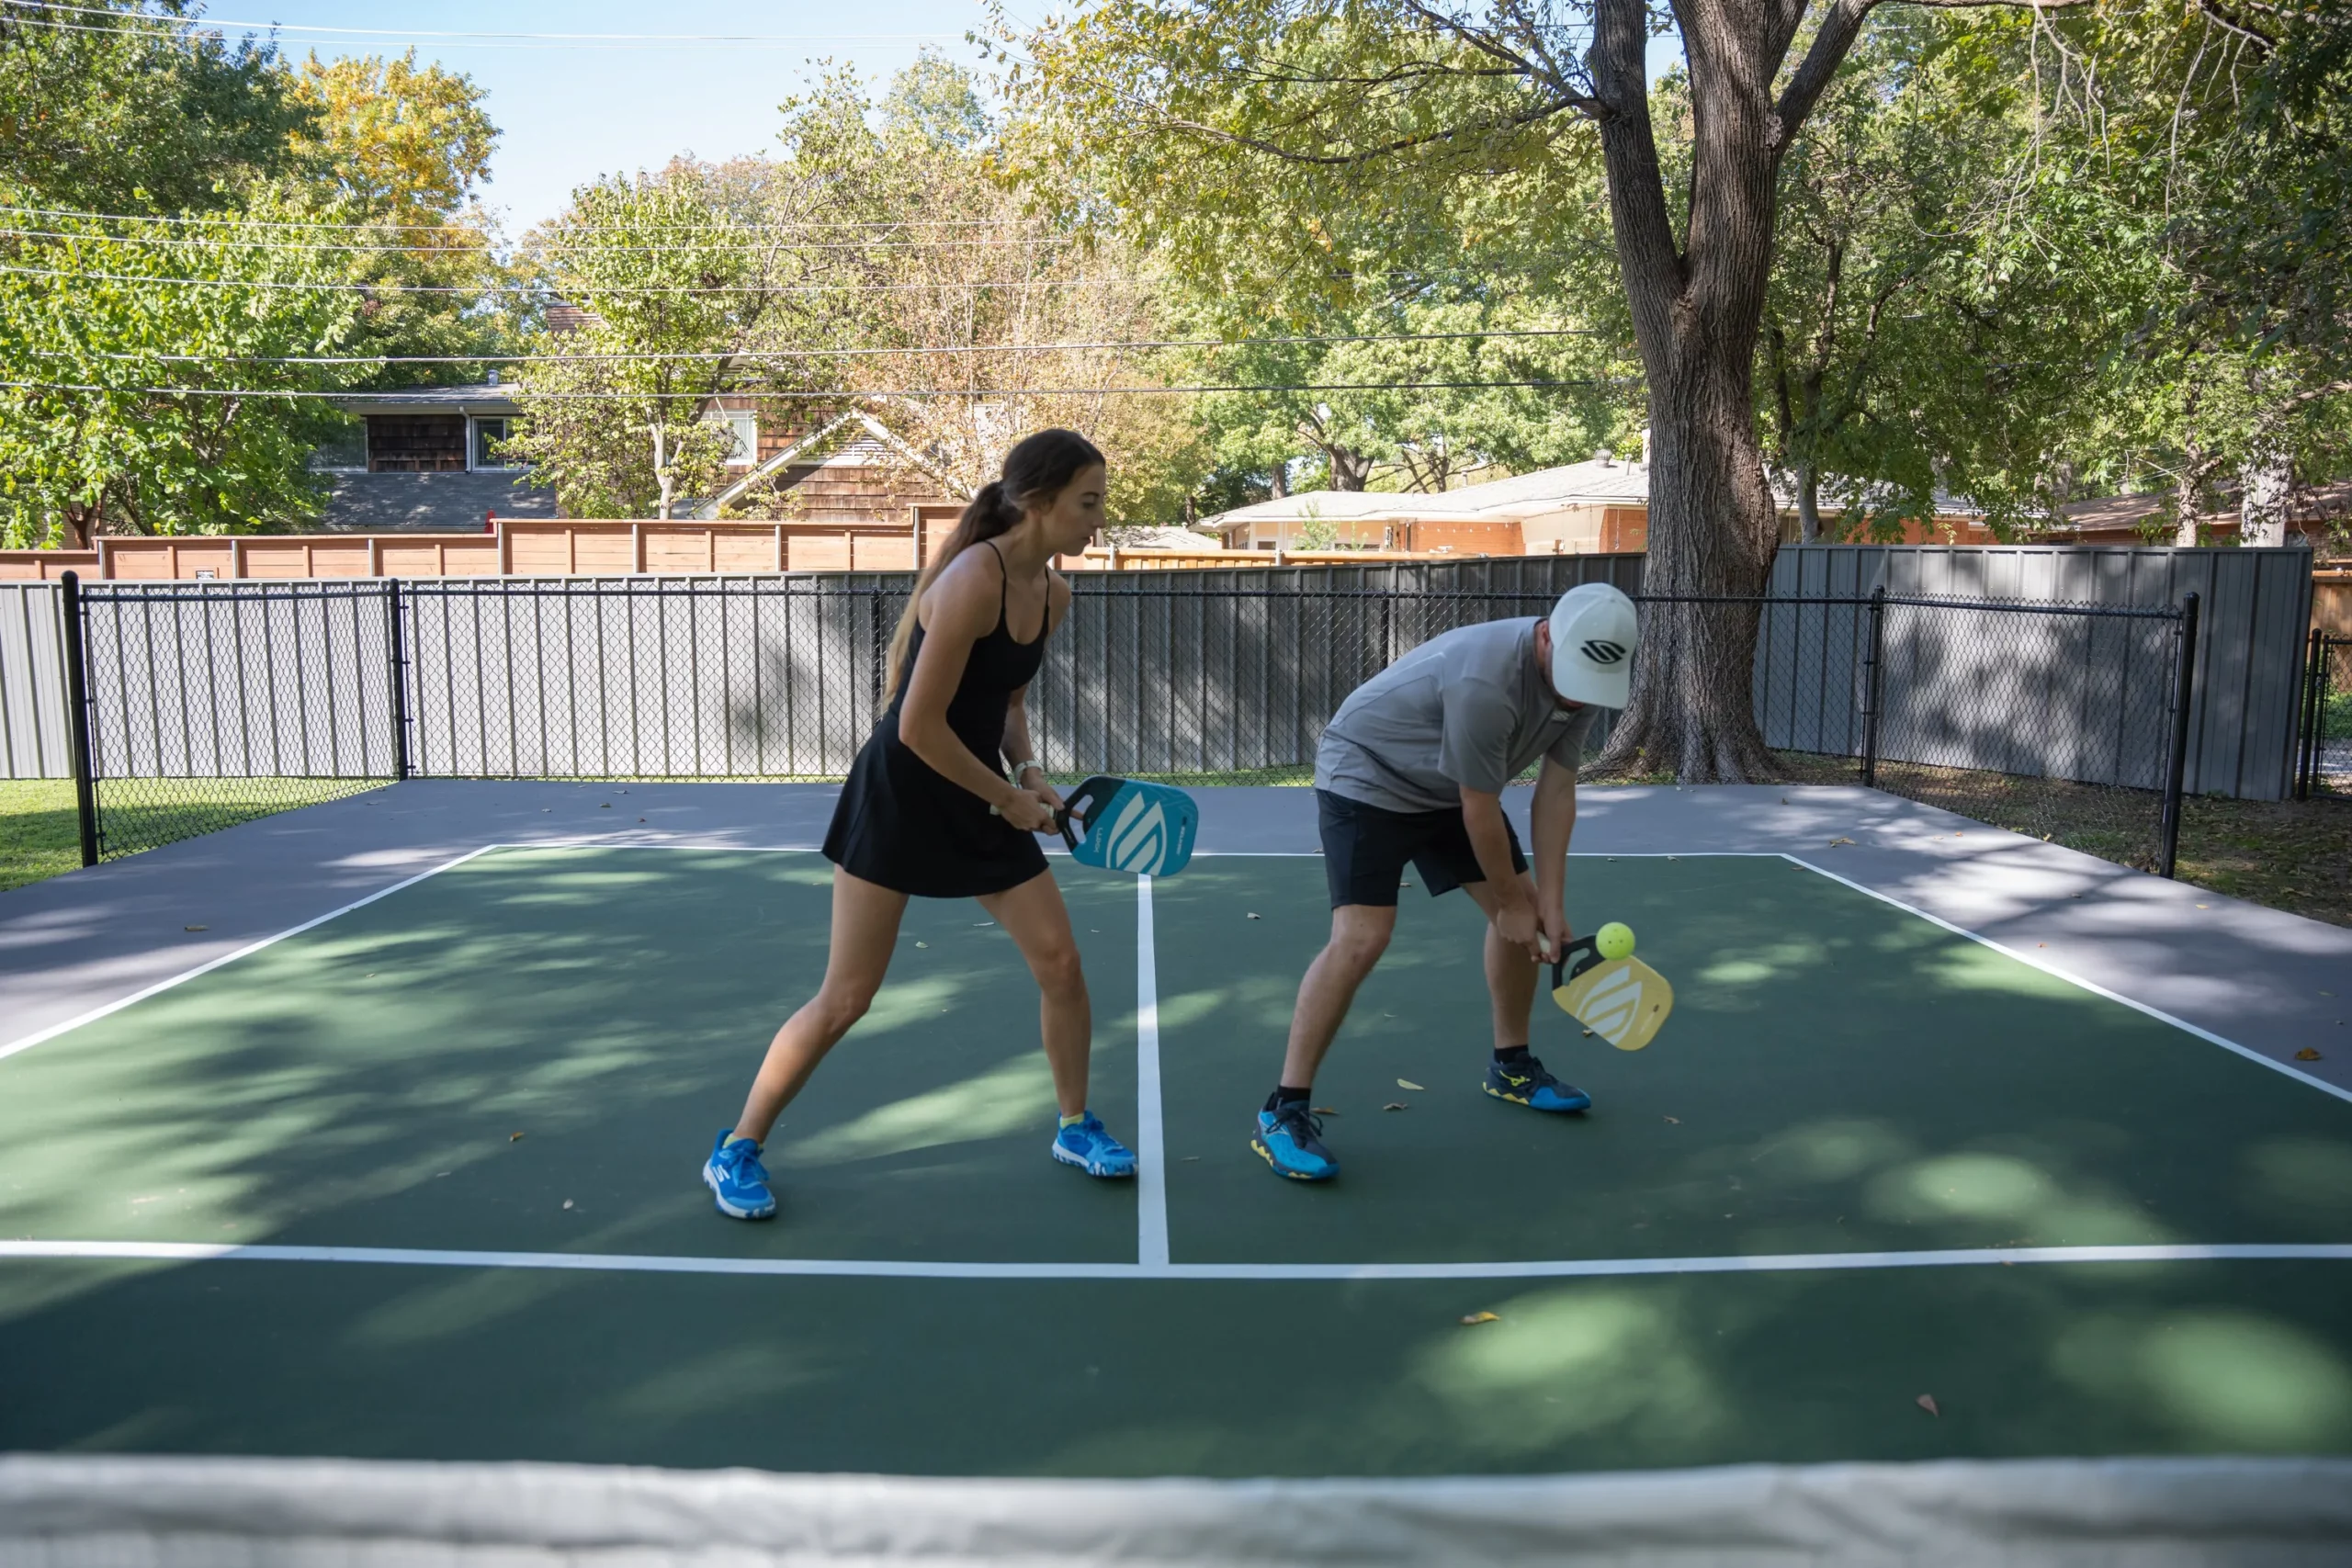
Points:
x=1270 y=1273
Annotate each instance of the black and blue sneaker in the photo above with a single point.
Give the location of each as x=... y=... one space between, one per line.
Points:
x=1524 y=1082
x=1289 y=1140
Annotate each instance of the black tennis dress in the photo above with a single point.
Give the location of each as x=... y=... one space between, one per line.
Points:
x=905 y=826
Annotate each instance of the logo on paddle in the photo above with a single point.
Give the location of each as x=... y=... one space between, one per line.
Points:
x=1602 y=651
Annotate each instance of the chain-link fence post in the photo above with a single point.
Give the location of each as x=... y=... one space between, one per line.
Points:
x=1874 y=663
x=398 y=648
x=2309 y=716
x=77 y=714
x=2176 y=764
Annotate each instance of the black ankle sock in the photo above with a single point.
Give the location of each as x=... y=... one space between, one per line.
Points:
x=1510 y=1056
x=1285 y=1095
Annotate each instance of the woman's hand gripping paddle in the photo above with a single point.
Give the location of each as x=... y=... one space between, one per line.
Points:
x=1146 y=828
x=1619 y=998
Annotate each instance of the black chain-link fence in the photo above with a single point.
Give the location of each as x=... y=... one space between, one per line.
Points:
x=207 y=703
x=204 y=707
x=2324 y=736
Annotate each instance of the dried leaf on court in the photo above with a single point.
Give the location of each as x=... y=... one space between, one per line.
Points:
x=1407 y=1083
x=1473 y=1319
x=1834 y=842
x=1587 y=1035
x=1927 y=1402
x=922 y=944
x=567 y=1203
x=1252 y=915
x=1676 y=1120
x=605 y=805
x=1393 y=1105
x=512 y=1137
x=1324 y=1111
x=2308 y=1053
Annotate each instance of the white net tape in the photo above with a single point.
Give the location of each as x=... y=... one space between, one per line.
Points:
x=63 y=1512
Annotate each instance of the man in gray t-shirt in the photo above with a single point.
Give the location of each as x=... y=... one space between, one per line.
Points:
x=1411 y=769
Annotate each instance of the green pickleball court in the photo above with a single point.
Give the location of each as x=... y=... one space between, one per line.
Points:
x=1840 y=1077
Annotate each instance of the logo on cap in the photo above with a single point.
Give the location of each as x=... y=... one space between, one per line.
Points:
x=1604 y=652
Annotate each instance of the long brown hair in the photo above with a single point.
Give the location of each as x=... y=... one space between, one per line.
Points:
x=1037 y=469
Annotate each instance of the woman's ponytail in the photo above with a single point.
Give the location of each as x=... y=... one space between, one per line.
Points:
x=1040 y=467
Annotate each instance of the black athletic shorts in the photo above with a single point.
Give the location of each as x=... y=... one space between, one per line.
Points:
x=1365 y=850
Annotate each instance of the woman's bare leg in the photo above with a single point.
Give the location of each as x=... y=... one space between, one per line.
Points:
x=865 y=928
x=1034 y=916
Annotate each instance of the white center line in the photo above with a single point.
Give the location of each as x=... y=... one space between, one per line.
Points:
x=1151 y=1149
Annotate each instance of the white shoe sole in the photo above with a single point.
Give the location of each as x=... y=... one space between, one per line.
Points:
x=1069 y=1159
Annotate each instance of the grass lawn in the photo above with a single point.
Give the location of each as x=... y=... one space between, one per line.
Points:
x=37 y=832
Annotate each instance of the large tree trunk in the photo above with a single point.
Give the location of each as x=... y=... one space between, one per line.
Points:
x=1697 y=309
x=2264 y=484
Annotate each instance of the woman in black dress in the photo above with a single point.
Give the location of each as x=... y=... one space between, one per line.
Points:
x=946 y=799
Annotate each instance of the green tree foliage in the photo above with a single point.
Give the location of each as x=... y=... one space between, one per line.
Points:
x=201 y=209
x=663 y=266
x=88 y=445
x=137 y=118
x=405 y=148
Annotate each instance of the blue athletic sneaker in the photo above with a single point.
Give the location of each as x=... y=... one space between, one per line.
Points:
x=1289 y=1140
x=1086 y=1145
x=738 y=1179
x=1528 y=1084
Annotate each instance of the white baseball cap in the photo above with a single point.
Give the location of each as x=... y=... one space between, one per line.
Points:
x=1592 y=644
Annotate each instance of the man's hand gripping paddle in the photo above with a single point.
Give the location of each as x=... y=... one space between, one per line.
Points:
x=1619 y=998
x=1146 y=828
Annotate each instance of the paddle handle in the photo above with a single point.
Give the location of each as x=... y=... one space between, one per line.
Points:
x=1585 y=954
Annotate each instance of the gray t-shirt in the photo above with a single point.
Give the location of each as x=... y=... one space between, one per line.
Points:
x=1464 y=710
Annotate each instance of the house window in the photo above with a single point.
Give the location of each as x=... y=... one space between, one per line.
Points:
x=487 y=435
x=745 y=426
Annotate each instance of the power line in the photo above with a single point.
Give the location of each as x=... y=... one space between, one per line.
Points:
x=793 y=226
x=137 y=24
x=471 y=290
x=997 y=393
x=705 y=356
x=226 y=242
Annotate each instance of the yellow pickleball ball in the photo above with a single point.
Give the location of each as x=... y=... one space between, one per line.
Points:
x=1614 y=941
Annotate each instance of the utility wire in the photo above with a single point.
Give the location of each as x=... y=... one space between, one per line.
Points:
x=995 y=392
x=626 y=289
x=568 y=228
x=790 y=354
x=137 y=24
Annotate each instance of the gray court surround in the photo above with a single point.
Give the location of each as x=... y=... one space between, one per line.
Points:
x=2253 y=978
x=2154 y=1513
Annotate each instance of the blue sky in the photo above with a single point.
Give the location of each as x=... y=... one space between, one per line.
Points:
x=568 y=114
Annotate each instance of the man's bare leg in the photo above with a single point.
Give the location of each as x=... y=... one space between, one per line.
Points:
x=1360 y=934
x=1510 y=975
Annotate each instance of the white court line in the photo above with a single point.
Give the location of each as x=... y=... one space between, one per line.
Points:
x=1270 y=1273
x=2091 y=986
x=53 y=1030
x=1151 y=1145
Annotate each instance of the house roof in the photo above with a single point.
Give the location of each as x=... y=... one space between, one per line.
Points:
x=1600 y=481
x=429 y=503
x=2308 y=503
x=474 y=398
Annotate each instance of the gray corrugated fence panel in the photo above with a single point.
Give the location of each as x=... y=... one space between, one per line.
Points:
x=2256 y=608
x=247 y=680
x=32 y=683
